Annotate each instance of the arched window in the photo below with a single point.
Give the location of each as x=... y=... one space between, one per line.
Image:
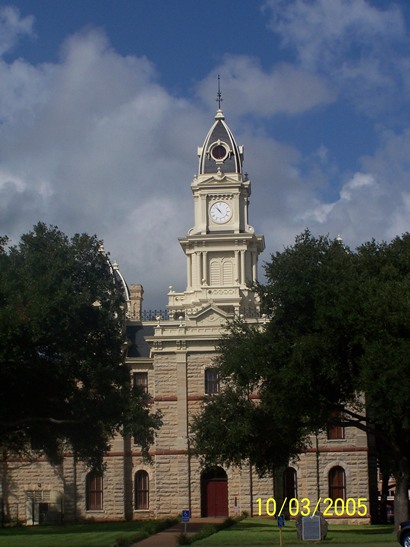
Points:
x=227 y=272
x=141 y=490
x=215 y=272
x=337 y=483
x=221 y=271
x=94 y=491
x=290 y=485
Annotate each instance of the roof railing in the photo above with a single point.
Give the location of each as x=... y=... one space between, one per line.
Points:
x=178 y=315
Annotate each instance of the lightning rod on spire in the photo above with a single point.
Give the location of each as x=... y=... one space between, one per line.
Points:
x=219 y=94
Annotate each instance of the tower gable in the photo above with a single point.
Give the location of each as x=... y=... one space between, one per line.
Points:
x=220 y=151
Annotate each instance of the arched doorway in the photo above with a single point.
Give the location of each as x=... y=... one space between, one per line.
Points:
x=214 y=493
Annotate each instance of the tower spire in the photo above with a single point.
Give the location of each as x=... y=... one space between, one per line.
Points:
x=219 y=94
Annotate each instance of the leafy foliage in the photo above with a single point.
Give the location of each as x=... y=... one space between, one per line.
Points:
x=234 y=422
x=338 y=334
x=62 y=374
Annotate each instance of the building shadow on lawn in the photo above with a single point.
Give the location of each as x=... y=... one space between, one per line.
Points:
x=256 y=524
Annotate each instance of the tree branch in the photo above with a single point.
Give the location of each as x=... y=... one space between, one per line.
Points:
x=10 y=425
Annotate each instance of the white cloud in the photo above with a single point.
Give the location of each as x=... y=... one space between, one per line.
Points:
x=399 y=222
x=322 y=31
x=319 y=214
x=357 y=194
x=362 y=49
x=250 y=89
x=372 y=204
x=8 y=179
x=24 y=89
x=94 y=143
x=357 y=183
x=12 y=27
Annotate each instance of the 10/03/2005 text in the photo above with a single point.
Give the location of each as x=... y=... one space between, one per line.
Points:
x=338 y=507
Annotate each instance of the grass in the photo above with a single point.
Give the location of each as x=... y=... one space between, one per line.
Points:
x=265 y=532
x=101 y=534
x=246 y=532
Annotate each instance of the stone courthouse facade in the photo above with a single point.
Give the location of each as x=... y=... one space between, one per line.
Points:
x=172 y=358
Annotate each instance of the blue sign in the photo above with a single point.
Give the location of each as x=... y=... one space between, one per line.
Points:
x=281 y=521
x=186 y=515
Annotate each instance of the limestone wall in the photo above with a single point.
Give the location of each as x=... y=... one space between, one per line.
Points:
x=26 y=483
x=176 y=380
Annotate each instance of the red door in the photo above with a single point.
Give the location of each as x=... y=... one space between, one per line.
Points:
x=215 y=494
x=217 y=497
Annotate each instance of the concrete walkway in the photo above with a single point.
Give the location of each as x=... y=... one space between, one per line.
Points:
x=167 y=538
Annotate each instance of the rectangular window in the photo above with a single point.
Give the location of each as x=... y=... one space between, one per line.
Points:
x=290 y=489
x=94 y=498
x=336 y=430
x=140 y=379
x=211 y=381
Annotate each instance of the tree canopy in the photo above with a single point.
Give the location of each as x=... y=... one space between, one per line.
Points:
x=63 y=381
x=337 y=336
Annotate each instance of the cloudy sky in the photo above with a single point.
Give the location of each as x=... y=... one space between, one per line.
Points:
x=103 y=104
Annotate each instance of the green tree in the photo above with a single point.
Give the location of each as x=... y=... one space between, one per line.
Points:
x=63 y=380
x=338 y=336
x=384 y=274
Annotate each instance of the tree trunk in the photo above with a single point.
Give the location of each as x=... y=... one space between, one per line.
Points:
x=401 y=498
x=383 y=498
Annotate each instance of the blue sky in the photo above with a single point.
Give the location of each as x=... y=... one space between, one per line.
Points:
x=104 y=102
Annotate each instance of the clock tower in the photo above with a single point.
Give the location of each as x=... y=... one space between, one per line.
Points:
x=221 y=251
x=221 y=248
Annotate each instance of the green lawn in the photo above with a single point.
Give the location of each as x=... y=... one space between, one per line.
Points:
x=103 y=534
x=266 y=532
x=247 y=532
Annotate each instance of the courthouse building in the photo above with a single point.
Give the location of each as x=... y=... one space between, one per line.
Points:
x=172 y=358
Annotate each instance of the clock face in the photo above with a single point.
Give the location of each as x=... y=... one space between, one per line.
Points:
x=220 y=212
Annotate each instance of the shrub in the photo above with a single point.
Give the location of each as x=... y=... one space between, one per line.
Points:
x=183 y=539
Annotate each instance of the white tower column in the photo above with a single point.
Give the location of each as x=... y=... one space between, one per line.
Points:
x=189 y=270
x=204 y=268
x=237 y=267
x=199 y=268
x=243 y=280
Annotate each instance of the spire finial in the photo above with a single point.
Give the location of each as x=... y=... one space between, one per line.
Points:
x=219 y=94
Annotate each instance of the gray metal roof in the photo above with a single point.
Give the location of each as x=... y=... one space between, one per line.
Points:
x=136 y=336
x=218 y=135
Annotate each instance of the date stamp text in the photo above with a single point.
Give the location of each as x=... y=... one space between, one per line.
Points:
x=328 y=507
